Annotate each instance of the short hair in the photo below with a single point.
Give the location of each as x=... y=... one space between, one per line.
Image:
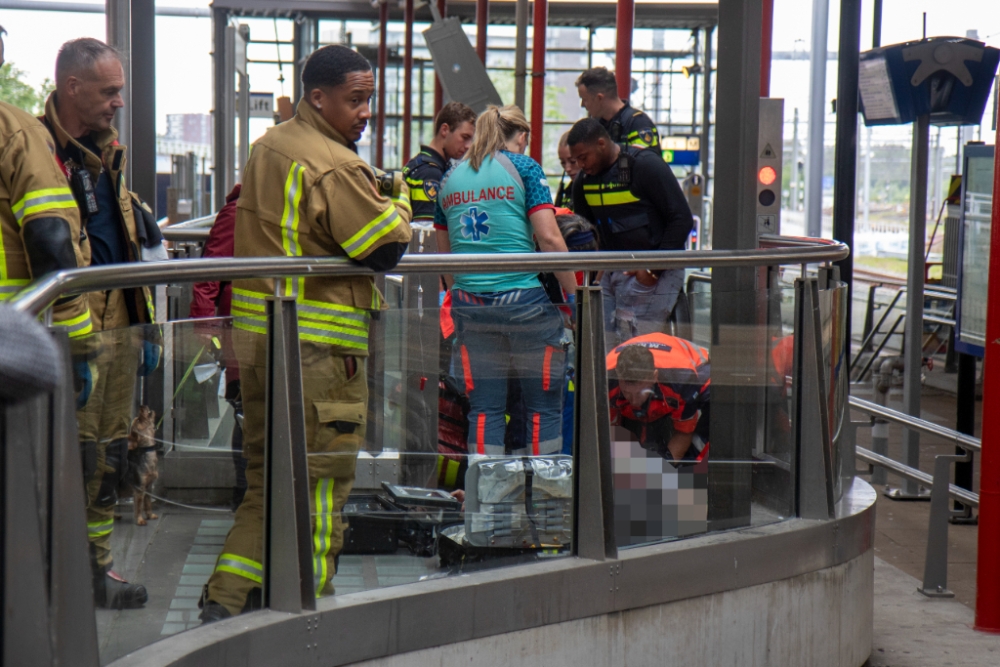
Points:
x=79 y=56
x=454 y=114
x=564 y=140
x=587 y=130
x=578 y=233
x=329 y=66
x=599 y=80
x=635 y=364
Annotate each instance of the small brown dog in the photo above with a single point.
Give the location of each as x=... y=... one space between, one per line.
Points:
x=143 y=462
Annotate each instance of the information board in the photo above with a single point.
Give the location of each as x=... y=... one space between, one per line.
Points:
x=973 y=278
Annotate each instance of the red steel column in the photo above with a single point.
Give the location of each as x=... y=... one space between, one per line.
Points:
x=767 y=29
x=988 y=562
x=541 y=18
x=383 y=58
x=438 y=90
x=624 y=21
x=482 y=21
x=407 y=80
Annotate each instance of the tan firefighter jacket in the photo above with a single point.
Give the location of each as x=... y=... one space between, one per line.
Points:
x=33 y=188
x=307 y=194
x=112 y=159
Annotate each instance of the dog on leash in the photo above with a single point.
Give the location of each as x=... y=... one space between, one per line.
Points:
x=143 y=462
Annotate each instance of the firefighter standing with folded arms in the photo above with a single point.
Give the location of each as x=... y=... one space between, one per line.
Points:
x=78 y=115
x=306 y=193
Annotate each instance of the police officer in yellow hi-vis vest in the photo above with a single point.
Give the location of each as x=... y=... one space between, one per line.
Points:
x=39 y=223
x=307 y=193
x=79 y=116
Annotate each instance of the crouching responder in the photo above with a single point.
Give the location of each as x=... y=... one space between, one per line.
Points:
x=307 y=193
x=660 y=391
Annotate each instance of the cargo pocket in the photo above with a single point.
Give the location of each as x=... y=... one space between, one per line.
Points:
x=340 y=430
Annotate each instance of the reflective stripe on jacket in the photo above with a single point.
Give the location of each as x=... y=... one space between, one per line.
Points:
x=31 y=188
x=306 y=193
x=112 y=159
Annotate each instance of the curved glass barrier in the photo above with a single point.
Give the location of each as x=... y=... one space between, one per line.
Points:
x=159 y=429
x=444 y=445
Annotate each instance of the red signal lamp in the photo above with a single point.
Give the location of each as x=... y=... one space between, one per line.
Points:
x=767 y=175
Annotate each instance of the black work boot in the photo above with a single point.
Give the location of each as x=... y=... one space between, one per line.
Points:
x=212 y=612
x=113 y=592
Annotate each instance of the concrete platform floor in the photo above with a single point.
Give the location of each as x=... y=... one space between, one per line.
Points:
x=901 y=526
x=912 y=630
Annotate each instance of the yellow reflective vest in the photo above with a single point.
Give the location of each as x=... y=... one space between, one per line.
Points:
x=306 y=193
x=33 y=187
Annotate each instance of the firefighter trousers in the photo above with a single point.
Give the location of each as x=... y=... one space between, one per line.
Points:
x=103 y=425
x=335 y=393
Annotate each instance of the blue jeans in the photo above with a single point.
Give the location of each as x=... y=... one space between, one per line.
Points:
x=517 y=332
x=632 y=309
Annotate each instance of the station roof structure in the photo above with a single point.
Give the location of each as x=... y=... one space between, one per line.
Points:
x=568 y=13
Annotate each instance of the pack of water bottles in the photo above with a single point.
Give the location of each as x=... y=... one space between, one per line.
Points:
x=519 y=502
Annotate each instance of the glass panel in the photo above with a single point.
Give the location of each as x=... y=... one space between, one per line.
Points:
x=976 y=249
x=479 y=416
x=157 y=436
x=662 y=385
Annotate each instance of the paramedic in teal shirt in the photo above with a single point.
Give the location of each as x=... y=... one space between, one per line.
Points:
x=498 y=201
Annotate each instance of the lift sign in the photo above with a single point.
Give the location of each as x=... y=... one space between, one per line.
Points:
x=262 y=105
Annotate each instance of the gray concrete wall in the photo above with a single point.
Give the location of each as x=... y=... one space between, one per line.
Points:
x=822 y=618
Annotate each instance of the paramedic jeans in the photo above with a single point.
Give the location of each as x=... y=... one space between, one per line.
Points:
x=500 y=333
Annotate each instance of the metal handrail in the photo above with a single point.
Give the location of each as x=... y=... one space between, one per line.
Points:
x=958 y=493
x=929 y=428
x=205 y=221
x=35 y=298
x=186 y=234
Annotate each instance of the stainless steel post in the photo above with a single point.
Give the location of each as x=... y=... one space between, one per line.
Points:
x=141 y=105
x=935 y=582
x=288 y=568
x=242 y=38
x=118 y=21
x=738 y=381
x=593 y=532
x=793 y=204
x=26 y=631
x=71 y=603
x=520 y=52
x=914 y=327
x=706 y=122
x=817 y=118
x=224 y=107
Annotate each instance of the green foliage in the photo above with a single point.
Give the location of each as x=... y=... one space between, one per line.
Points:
x=14 y=90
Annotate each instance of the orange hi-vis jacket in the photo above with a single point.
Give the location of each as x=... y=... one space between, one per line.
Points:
x=679 y=400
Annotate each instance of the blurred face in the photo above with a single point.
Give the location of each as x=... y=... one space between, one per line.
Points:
x=636 y=392
x=94 y=97
x=592 y=157
x=569 y=165
x=591 y=102
x=346 y=107
x=457 y=141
